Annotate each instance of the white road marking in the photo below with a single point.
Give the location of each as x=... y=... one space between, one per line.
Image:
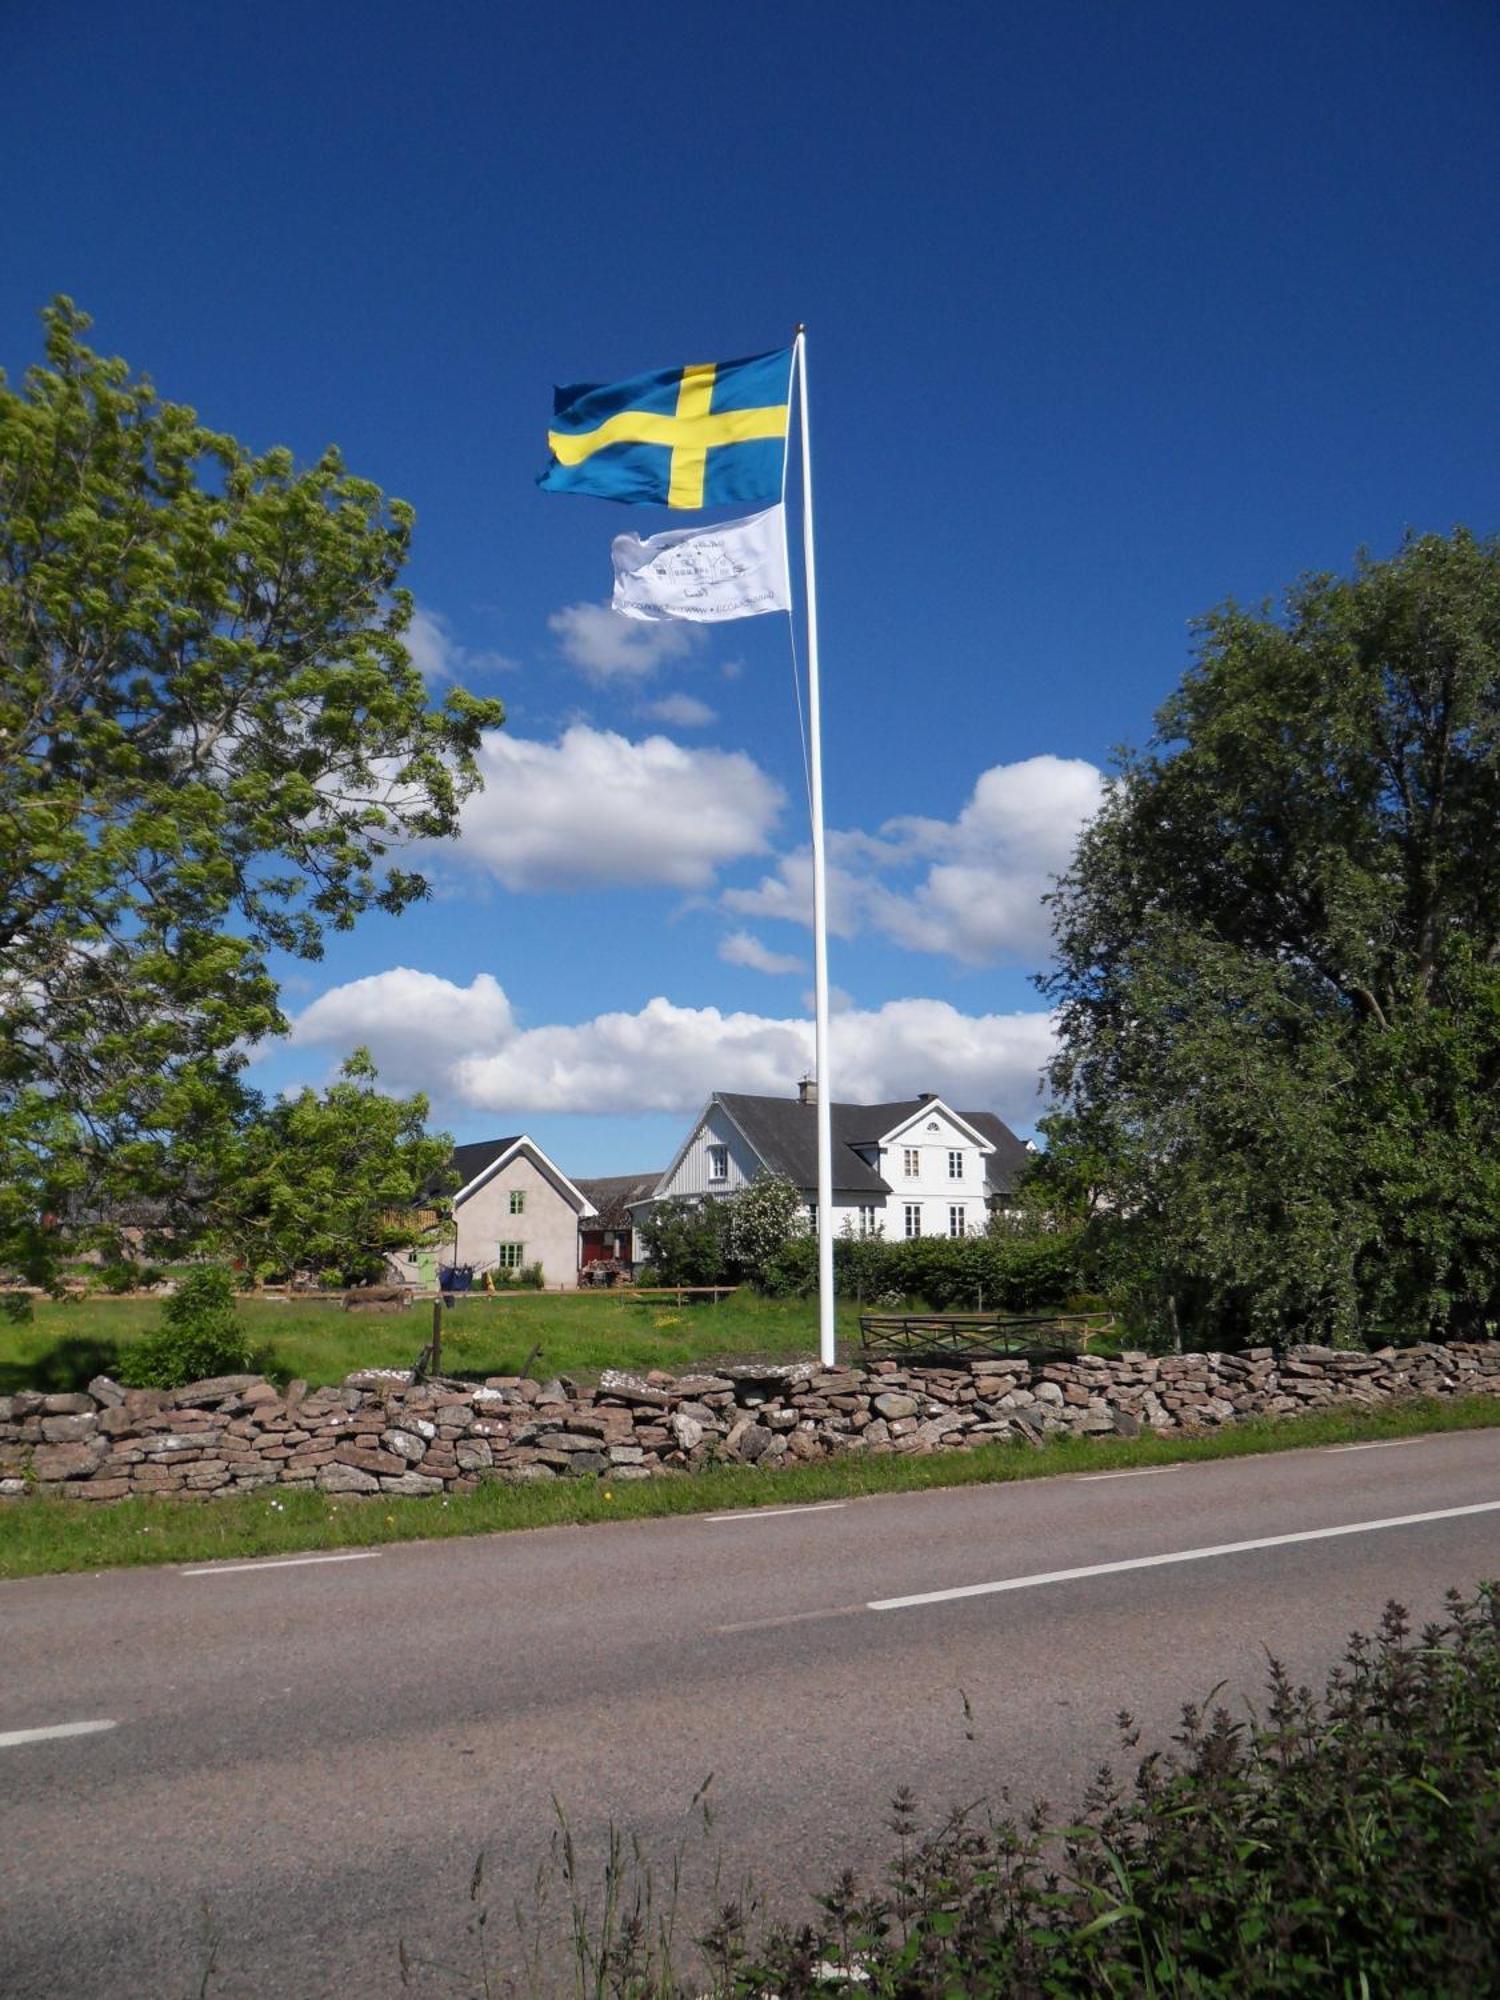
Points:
x=789 y=1618
x=11 y=1737
x=1377 y=1444
x=775 y=1513
x=1136 y=1472
x=1179 y=1556
x=280 y=1562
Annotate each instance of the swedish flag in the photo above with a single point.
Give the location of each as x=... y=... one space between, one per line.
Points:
x=709 y=435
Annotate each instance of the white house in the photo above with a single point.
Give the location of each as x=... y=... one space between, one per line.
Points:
x=912 y=1168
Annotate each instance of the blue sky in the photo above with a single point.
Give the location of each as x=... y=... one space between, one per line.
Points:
x=1114 y=312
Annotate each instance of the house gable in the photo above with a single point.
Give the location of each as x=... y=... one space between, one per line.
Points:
x=510 y=1149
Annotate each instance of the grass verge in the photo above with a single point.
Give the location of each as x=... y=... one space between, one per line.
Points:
x=38 y=1536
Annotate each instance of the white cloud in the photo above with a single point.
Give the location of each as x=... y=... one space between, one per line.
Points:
x=437 y=655
x=415 y=1024
x=744 y=948
x=461 y=1044
x=680 y=711
x=608 y=646
x=978 y=895
x=595 y=807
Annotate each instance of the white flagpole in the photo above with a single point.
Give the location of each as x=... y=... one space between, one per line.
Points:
x=827 y=1345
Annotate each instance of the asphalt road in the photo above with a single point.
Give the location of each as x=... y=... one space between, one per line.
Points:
x=304 y=1759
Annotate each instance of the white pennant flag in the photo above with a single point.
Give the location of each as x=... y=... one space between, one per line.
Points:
x=734 y=570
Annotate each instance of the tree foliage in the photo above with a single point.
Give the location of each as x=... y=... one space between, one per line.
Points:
x=1278 y=974
x=216 y=746
x=332 y=1182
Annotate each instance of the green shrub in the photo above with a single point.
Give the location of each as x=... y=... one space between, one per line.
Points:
x=121 y=1276
x=1346 y=1844
x=201 y=1335
x=1009 y=1274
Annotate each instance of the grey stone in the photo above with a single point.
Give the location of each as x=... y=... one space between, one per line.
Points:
x=68 y=1461
x=755 y=1443
x=1127 y=1425
x=626 y=1454
x=405 y=1444
x=214 y=1389
x=69 y=1430
x=67 y=1404
x=411 y=1484
x=474 y=1455
x=106 y=1390
x=893 y=1404
x=346 y=1479
x=582 y=1463
x=626 y=1388
x=687 y=1431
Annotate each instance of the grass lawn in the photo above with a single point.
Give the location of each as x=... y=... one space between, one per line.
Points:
x=579 y=1333
x=40 y=1536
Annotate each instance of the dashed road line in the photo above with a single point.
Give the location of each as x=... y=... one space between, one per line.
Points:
x=923 y=1597
x=10 y=1739
x=279 y=1562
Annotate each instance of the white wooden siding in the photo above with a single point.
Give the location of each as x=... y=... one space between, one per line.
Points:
x=692 y=1177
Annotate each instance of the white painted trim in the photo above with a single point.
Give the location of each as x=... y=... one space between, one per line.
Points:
x=925 y=1111
x=574 y=1197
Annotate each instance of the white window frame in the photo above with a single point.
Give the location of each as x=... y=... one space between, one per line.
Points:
x=912 y=1162
x=518 y=1201
x=869 y=1219
x=718 y=1164
x=955 y=1164
x=913 y=1220
x=509 y=1256
x=958 y=1219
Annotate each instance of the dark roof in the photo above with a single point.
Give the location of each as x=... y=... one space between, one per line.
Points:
x=784 y=1132
x=612 y=1194
x=474 y=1158
x=1001 y=1167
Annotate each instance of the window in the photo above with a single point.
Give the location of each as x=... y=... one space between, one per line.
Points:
x=518 y=1201
x=958 y=1220
x=718 y=1163
x=955 y=1166
x=913 y=1169
x=869 y=1219
x=914 y=1218
x=510 y=1256
x=812 y=1218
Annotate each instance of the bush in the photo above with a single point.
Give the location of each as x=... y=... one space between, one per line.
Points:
x=1347 y=1844
x=1009 y=1273
x=201 y=1335
x=122 y=1276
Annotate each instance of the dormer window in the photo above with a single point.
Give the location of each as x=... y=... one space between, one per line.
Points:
x=718 y=1163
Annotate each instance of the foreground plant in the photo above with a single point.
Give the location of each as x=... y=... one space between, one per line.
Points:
x=1344 y=1843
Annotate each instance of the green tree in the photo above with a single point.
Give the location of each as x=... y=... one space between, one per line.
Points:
x=215 y=746
x=1278 y=972
x=763 y=1219
x=687 y=1241
x=332 y=1182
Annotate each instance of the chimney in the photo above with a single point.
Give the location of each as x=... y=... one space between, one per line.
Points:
x=926 y=1096
x=807 y=1090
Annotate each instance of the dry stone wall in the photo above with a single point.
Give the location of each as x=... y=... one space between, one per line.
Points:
x=380 y=1433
